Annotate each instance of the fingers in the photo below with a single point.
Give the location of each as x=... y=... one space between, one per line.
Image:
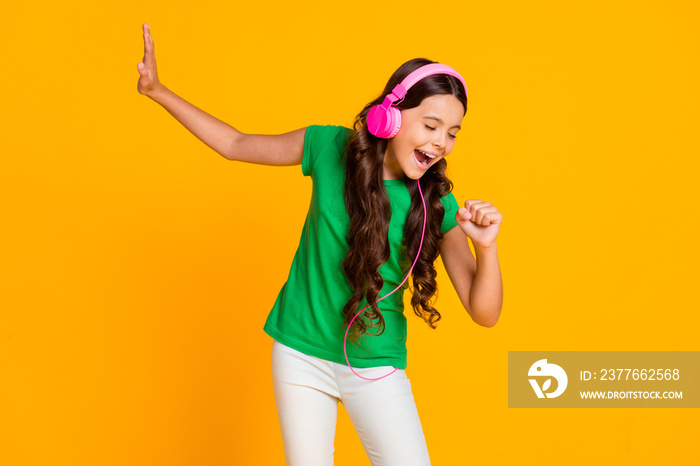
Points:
x=148 y=47
x=462 y=215
x=148 y=80
x=480 y=212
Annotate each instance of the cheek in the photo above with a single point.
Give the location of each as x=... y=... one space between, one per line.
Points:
x=401 y=148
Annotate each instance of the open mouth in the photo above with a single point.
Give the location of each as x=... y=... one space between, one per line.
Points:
x=423 y=160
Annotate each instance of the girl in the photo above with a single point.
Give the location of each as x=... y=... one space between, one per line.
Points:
x=381 y=210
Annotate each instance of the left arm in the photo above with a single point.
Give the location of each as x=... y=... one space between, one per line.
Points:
x=477 y=280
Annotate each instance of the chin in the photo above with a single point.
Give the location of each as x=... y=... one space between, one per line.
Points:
x=415 y=176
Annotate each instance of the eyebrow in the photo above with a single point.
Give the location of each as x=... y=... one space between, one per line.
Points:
x=433 y=117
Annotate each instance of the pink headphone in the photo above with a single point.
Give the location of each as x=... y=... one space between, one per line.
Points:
x=384 y=121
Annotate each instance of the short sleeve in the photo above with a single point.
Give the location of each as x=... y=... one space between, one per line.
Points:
x=320 y=138
x=451 y=207
x=308 y=159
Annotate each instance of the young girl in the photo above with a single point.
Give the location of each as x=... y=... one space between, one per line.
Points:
x=381 y=210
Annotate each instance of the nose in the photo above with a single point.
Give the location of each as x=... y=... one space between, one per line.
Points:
x=439 y=142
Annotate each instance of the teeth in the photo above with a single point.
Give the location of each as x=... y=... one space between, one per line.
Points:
x=425 y=163
x=425 y=153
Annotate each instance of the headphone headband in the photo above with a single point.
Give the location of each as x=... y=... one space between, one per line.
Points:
x=384 y=120
x=423 y=72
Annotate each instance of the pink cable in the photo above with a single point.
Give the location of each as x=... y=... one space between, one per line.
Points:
x=425 y=214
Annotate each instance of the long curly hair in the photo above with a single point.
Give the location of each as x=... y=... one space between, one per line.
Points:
x=369 y=210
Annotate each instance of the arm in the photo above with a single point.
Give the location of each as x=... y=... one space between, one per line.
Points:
x=477 y=281
x=282 y=149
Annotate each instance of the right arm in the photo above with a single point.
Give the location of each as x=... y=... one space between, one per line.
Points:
x=266 y=149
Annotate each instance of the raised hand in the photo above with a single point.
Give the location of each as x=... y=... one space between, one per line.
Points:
x=480 y=221
x=148 y=81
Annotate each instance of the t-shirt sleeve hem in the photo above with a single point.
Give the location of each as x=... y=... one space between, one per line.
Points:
x=451 y=208
x=306 y=161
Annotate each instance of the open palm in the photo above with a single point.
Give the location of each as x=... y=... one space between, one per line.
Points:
x=148 y=80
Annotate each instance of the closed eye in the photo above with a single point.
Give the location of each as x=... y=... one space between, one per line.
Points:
x=433 y=129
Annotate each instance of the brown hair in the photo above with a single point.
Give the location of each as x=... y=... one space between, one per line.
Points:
x=369 y=210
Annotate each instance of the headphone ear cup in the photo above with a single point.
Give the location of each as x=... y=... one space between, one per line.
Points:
x=384 y=123
x=394 y=123
x=376 y=121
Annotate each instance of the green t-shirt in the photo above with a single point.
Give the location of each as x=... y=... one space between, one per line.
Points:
x=308 y=313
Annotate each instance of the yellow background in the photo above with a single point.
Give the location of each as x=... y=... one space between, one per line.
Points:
x=138 y=265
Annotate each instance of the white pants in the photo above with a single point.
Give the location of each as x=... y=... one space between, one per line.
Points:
x=307 y=390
